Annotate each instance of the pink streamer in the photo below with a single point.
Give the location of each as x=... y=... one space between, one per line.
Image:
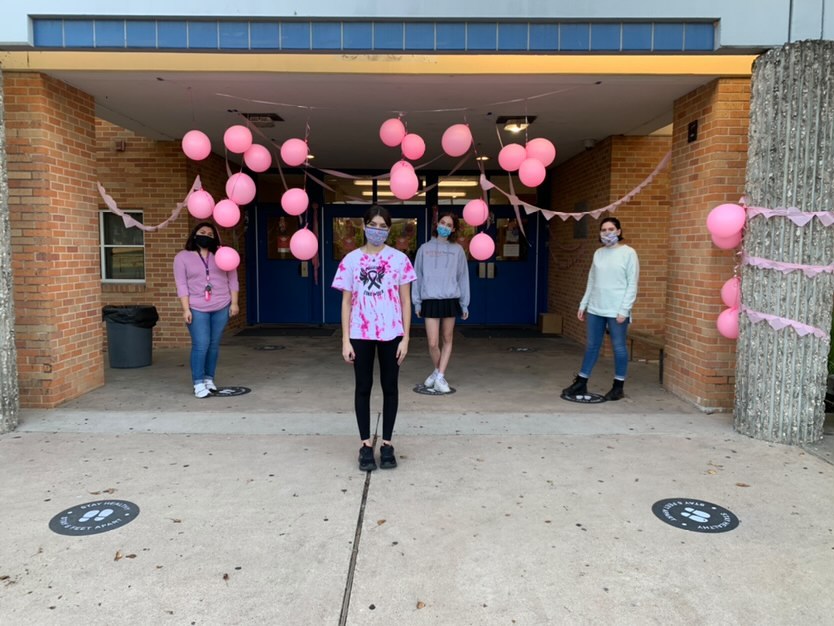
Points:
x=132 y=223
x=797 y=216
x=515 y=200
x=809 y=270
x=778 y=323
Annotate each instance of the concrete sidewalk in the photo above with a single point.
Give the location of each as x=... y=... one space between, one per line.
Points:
x=509 y=505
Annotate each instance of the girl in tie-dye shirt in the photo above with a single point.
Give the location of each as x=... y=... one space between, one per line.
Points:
x=375 y=281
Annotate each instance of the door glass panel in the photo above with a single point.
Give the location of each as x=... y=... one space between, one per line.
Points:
x=348 y=234
x=510 y=245
x=278 y=234
x=458 y=190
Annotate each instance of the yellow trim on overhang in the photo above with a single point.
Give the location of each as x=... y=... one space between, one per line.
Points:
x=312 y=63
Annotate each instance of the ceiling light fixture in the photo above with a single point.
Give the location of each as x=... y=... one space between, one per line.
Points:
x=483 y=157
x=515 y=124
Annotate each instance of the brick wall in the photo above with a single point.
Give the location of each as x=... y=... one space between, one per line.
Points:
x=592 y=180
x=704 y=173
x=50 y=131
x=154 y=176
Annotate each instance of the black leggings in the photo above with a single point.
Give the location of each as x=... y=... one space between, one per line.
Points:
x=389 y=374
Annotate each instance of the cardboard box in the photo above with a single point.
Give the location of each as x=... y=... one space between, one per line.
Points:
x=550 y=324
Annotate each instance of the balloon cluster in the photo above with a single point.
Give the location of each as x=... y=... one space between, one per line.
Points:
x=725 y=224
x=529 y=160
x=241 y=190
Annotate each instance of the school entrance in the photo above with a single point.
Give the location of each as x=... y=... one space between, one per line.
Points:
x=507 y=289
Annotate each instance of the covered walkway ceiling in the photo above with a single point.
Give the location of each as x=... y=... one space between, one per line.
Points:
x=573 y=99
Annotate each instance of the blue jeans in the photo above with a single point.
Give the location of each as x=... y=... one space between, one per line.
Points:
x=206 y=329
x=596 y=333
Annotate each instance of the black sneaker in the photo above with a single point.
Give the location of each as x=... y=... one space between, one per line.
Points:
x=387 y=460
x=579 y=387
x=366 y=459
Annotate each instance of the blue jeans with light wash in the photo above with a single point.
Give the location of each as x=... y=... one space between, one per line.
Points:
x=596 y=333
x=206 y=330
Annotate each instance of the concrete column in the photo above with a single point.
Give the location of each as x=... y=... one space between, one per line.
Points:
x=9 y=399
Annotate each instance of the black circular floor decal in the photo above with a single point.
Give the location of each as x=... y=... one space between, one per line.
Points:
x=695 y=515
x=429 y=391
x=94 y=517
x=224 y=392
x=587 y=398
x=521 y=349
x=269 y=348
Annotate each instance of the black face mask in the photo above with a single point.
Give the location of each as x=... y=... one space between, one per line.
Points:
x=206 y=242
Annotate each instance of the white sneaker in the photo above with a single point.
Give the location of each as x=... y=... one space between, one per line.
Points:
x=430 y=380
x=209 y=383
x=441 y=385
x=201 y=391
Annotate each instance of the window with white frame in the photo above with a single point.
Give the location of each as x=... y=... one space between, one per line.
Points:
x=122 y=249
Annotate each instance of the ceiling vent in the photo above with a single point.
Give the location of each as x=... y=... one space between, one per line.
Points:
x=263 y=120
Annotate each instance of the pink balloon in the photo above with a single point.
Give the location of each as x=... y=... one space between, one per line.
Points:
x=725 y=220
x=294 y=152
x=531 y=172
x=226 y=258
x=257 y=158
x=237 y=139
x=475 y=212
x=456 y=140
x=404 y=182
x=200 y=204
x=392 y=132
x=541 y=149
x=304 y=245
x=295 y=201
x=731 y=292
x=196 y=145
x=727 y=243
x=240 y=188
x=481 y=247
x=405 y=165
x=511 y=156
x=413 y=146
x=727 y=323
x=226 y=213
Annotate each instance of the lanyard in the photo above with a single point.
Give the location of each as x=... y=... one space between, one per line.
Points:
x=208 y=280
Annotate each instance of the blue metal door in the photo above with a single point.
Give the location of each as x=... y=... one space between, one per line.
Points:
x=504 y=287
x=284 y=288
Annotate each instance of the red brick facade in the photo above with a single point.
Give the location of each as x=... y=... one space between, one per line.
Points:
x=50 y=132
x=704 y=173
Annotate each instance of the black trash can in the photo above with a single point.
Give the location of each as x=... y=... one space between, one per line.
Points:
x=130 y=334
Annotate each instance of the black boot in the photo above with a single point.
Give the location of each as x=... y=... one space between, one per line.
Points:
x=579 y=387
x=616 y=392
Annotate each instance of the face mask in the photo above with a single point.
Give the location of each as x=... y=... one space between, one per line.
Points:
x=204 y=241
x=610 y=239
x=376 y=236
x=443 y=231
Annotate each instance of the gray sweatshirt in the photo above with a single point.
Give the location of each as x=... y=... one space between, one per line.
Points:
x=442 y=273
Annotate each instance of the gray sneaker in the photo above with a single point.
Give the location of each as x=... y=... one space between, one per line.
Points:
x=430 y=380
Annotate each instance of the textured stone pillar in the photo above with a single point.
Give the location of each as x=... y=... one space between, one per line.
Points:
x=9 y=398
x=780 y=376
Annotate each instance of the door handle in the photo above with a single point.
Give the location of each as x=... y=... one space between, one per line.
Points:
x=303 y=269
x=490 y=270
x=481 y=270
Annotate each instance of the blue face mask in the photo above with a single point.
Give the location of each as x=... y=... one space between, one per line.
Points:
x=610 y=239
x=443 y=231
x=376 y=236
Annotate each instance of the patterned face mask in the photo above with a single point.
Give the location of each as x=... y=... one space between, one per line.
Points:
x=609 y=239
x=376 y=236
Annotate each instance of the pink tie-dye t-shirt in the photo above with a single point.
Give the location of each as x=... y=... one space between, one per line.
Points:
x=374 y=282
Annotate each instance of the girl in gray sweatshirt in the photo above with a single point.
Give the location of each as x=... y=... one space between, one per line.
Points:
x=440 y=294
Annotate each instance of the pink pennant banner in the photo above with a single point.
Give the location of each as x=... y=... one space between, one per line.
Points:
x=779 y=323
x=596 y=213
x=809 y=270
x=797 y=216
x=132 y=223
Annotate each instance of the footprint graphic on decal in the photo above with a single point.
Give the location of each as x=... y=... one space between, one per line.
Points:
x=96 y=515
x=695 y=515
